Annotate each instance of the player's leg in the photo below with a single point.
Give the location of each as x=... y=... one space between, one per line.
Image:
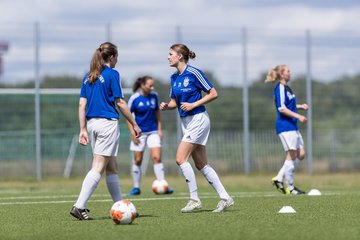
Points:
x=200 y=159
x=154 y=144
x=278 y=180
x=89 y=185
x=136 y=172
x=182 y=156
x=112 y=179
x=138 y=151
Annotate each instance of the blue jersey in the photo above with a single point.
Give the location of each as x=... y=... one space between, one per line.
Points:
x=187 y=87
x=285 y=98
x=144 y=109
x=101 y=95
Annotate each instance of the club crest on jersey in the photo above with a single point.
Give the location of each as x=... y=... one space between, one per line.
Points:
x=186 y=82
x=290 y=95
x=152 y=101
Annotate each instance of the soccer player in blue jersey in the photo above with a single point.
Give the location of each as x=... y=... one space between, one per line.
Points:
x=100 y=97
x=187 y=85
x=144 y=104
x=287 y=128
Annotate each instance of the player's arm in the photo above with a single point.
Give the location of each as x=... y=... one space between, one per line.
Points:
x=133 y=136
x=157 y=114
x=303 y=106
x=125 y=111
x=287 y=112
x=168 y=106
x=83 y=135
x=210 y=96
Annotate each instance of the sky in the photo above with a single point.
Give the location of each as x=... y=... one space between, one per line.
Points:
x=278 y=17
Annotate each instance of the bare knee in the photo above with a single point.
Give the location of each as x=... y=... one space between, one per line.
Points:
x=156 y=159
x=301 y=156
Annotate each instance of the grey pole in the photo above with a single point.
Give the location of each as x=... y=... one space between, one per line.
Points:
x=37 y=106
x=108 y=32
x=178 y=124
x=246 y=137
x=309 y=102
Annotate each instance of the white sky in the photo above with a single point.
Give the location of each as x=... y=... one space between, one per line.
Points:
x=265 y=16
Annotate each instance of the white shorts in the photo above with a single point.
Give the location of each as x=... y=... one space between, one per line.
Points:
x=291 y=140
x=196 y=128
x=104 y=136
x=151 y=140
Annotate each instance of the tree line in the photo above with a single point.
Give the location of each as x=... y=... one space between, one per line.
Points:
x=335 y=105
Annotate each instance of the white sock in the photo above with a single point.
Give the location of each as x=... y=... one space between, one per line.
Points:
x=136 y=173
x=281 y=174
x=296 y=162
x=113 y=184
x=89 y=185
x=289 y=174
x=189 y=175
x=211 y=176
x=159 y=171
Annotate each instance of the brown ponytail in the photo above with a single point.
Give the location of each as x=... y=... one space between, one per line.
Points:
x=184 y=51
x=100 y=57
x=139 y=82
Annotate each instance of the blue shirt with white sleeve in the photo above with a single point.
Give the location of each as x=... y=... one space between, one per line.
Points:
x=188 y=87
x=101 y=95
x=285 y=98
x=144 y=108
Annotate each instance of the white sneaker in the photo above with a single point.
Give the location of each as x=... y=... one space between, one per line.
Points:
x=224 y=204
x=191 y=206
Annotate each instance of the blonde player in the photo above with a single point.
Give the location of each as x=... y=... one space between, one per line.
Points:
x=287 y=128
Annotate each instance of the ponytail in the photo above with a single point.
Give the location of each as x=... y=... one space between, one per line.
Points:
x=140 y=81
x=184 y=51
x=275 y=73
x=100 y=57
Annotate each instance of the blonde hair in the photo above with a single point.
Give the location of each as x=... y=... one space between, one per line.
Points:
x=275 y=73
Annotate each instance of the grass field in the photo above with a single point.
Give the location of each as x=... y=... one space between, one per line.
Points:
x=40 y=210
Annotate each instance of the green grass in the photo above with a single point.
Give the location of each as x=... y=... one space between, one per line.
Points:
x=40 y=210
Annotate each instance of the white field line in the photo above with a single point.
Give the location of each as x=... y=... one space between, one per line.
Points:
x=108 y=199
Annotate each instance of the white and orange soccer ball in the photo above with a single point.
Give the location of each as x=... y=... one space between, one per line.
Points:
x=123 y=212
x=160 y=186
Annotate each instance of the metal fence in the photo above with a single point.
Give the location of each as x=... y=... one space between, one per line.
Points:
x=236 y=57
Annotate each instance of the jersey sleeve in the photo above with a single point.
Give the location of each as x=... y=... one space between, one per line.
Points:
x=83 y=88
x=201 y=81
x=171 y=95
x=116 y=85
x=280 y=97
x=130 y=103
x=157 y=106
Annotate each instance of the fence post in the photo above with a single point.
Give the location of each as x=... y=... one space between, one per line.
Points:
x=37 y=105
x=246 y=139
x=309 y=102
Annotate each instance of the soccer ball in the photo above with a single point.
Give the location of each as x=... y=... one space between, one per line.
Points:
x=160 y=186
x=123 y=212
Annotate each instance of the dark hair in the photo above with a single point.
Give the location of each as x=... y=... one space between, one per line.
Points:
x=139 y=82
x=184 y=51
x=100 y=57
